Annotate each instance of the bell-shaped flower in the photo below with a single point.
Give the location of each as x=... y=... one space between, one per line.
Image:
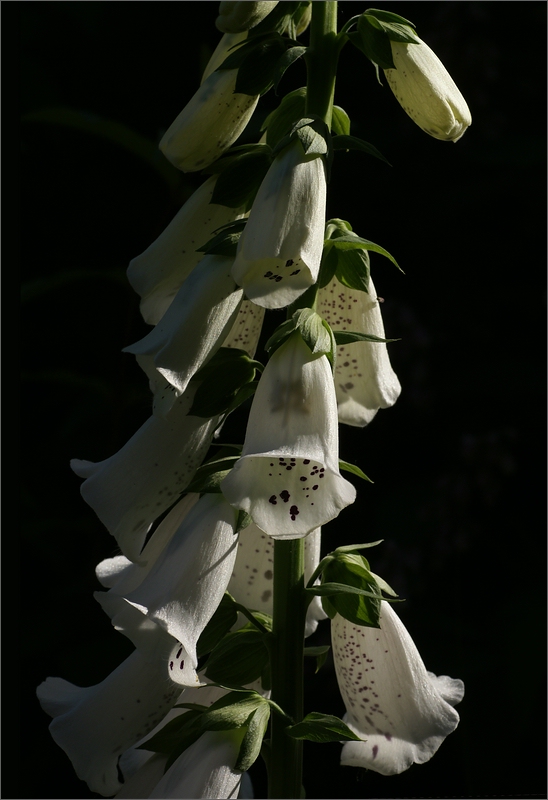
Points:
x=235 y=17
x=364 y=378
x=426 y=91
x=132 y=488
x=195 y=325
x=184 y=585
x=94 y=725
x=224 y=49
x=209 y=124
x=252 y=577
x=288 y=477
x=402 y=712
x=280 y=249
x=158 y=273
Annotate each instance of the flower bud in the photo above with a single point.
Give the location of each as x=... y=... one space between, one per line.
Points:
x=426 y=91
x=235 y=17
x=209 y=123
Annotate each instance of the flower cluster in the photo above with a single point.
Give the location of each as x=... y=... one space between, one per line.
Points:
x=196 y=532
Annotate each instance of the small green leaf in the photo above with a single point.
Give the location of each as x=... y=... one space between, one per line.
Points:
x=313 y=134
x=280 y=335
x=328 y=266
x=238 y=184
x=225 y=240
x=221 y=379
x=346 y=142
x=313 y=331
x=347 y=467
x=340 y=123
x=220 y=623
x=279 y=123
x=347 y=337
x=243 y=520
x=330 y=588
x=231 y=711
x=360 y=599
x=239 y=658
x=353 y=269
x=351 y=548
x=250 y=748
x=285 y=61
x=319 y=653
x=322 y=728
x=206 y=477
x=388 y=16
x=372 y=40
x=173 y=732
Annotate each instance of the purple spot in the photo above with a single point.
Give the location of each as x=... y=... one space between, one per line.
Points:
x=289 y=263
x=304 y=478
x=388 y=737
x=306 y=461
x=272 y=500
x=182 y=664
x=267 y=274
x=278 y=278
x=179 y=652
x=375 y=750
x=285 y=494
x=296 y=272
x=171 y=664
x=293 y=512
x=289 y=467
x=315 y=487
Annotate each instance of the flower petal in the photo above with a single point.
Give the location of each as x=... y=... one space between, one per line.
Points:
x=288 y=478
x=95 y=724
x=364 y=378
x=246 y=329
x=280 y=249
x=185 y=585
x=210 y=122
x=132 y=488
x=392 y=701
x=195 y=325
x=158 y=273
x=251 y=581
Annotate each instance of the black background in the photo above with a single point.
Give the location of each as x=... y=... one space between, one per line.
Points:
x=458 y=463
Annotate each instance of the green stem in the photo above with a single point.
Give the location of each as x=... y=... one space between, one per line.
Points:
x=287 y=663
x=290 y=601
x=321 y=60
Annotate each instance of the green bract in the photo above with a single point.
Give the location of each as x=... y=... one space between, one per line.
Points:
x=225 y=381
x=239 y=658
x=352 y=570
x=261 y=61
x=314 y=331
x=322 y=728
x=376 y=29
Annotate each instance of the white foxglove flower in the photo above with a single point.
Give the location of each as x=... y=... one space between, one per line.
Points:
x=132 y=488
x=209 y=124
x=246 y=329
x=252 y=576
x=402 y=712
x=158 y=273
x=95 y=724
x=427 y=92
x=288 y=478
x=280 y=249
x=195 y=325
x=186 y=583
x=235 y=16
x=224 y=49
x=364 y=378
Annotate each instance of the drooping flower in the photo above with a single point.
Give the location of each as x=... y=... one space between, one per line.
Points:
x=402 y=712
x=188 y=564
x=132 y=488
x=235 y=17
x=288 y=477
x=427 y=92
x=158 y=273
x=95 y=724
x=195 y=325
x=364 y=378
x=209 y=124
x=280 y=249
x=251 y=583
x=246 y=329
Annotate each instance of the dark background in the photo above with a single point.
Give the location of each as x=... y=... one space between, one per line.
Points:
x=458 y=463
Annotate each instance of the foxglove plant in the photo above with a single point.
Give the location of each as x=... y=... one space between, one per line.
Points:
x=220 y=577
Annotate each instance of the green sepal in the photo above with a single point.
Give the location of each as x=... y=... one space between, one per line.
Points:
x=231 y=711
x=280 y=335
x=351 y=241
x=221 y=380
x=283 y=18
x=353 y=268
x=239 y=658
x=279 y=122
x=176 y=735
x=258 y=62
x=360 y=599
x=242 y=521
x=354 y=548
x=316 y=727
x=206 y=478
x=371 y=39
x=398 y=29
x=388 y=16
x=328 y=266
x=347 y=142
x=250 y=748
x=354 y=470
x=347 y=337
x=340 y=124
x=285 y=62
x=220 y=623
x=319 y=653
x=238 y=183
x=225 y=240
x=313 y=329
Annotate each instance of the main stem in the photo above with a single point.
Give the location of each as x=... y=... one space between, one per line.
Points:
x=289 y=614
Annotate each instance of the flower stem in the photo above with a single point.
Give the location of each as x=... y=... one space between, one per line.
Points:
x=287 y=657
x=321 y=60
